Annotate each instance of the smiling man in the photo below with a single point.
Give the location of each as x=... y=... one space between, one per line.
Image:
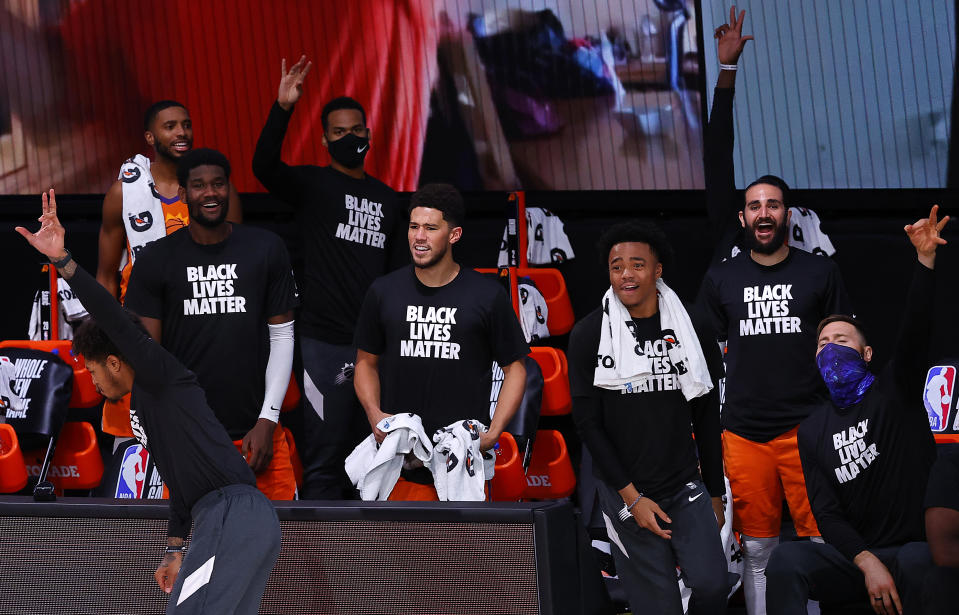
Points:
x=428 y=333
x=236 y=534
x=220 y=297
x=867 y=457
x=352 y=233
x=142 y=206
x=644 y=380
x=765 y=304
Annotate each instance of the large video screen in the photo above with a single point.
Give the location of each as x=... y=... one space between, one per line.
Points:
x=842 y=94
x=487 y=94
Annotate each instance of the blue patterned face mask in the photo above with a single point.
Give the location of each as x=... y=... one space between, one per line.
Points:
x=846 y=374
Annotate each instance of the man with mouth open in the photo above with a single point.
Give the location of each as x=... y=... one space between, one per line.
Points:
x=142 y=206
x=427 y=335
x=765 y=304
x=220 y=297
x=644 y=380
x=351 y=230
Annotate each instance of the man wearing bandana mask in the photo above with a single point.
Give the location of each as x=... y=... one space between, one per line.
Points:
x=352 y=233
x=866 y=457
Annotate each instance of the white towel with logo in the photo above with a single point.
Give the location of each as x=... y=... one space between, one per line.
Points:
x=533 y=312
x=547 y=242
x=70 y=310
x=631 y=366
x=374 y=468
x=143 y=218
x=460 y=470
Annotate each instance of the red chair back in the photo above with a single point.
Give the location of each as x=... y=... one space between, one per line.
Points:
x=550 y=474
x=84 y=394
x=13 y=473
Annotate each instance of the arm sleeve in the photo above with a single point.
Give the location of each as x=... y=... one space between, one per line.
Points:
x=721 y=196
x=705 y=415
x=911 y=353
x=509 y=343
x=587 y=407
x=279 y=366
x=369 y=335
x=833 y=526
x=145 y=288
x=180 y=520
x=280 y=179
x=154 y=366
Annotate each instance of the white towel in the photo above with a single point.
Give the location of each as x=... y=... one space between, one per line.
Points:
x=533 y=312
x=630 y=366
x=374 y=468
x=546 y=239
x=70 y=310
x=143 y=217
x=456 y=475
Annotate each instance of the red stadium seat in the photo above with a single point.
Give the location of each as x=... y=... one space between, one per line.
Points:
x=76 y=463
x=13 y=473
x=550 y=474
x=292 y=398
x=294 y=458
x=85 y=394
x=551 y=284
x=509 y=481
x=556 y=396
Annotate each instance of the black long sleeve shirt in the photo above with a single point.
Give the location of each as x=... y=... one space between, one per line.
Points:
x=722 y=198
x=645 y=437
x=866 y=466
x=168 y=411
x=351 y=230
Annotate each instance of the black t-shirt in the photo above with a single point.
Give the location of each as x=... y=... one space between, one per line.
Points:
x=645 y=437
x=352 y=232
x=214 y=301
x=866 y=466
x=168 y=411
x=436 y=345
x=943 y=488
x=768 y=316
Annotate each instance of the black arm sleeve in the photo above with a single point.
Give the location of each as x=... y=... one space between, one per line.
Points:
x=833 y=526
x=587 y=407
x=721 y=197
x=279 y=178
x=910 y=358
x=154 y=366
x=705 y=414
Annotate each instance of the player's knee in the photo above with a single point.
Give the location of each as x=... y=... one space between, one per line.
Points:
x=785 y=564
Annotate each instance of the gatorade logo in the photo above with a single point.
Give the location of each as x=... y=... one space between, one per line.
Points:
x=141 y=221
x=130 y=175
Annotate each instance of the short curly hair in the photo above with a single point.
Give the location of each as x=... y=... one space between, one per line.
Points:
x=198 y=158
x=91 y=341
x=443 y=197
x=638 y=231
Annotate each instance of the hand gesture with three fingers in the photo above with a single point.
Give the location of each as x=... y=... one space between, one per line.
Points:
x=49 y=239
x=924 y=235
x=731 y=39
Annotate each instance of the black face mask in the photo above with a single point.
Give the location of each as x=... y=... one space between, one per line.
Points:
x=349 y=150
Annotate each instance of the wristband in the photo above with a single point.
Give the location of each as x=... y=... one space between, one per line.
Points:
x=626 y=511
x=179 y=549
x=731 y=67
x=59 y=264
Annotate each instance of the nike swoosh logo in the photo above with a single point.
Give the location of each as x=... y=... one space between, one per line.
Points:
x=693 y=498
x=359 y=150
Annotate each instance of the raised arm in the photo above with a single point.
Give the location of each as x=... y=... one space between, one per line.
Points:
x=718 y=138
x=911 y=353
x=145 y=356
x=282 y=180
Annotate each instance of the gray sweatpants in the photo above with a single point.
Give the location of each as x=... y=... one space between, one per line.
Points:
x=236 y=540
x=647 y=563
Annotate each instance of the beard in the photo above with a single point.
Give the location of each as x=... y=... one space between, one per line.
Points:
x=198 y=215
x=778 y=238
x=165 y=152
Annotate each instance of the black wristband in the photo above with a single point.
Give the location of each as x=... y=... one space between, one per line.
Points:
x=59 y=264
x=177 y=549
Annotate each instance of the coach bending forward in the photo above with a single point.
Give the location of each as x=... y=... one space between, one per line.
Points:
x=237 y=536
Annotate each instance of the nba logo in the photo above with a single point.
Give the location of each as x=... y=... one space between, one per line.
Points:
x=133 y=472
x=937 y=395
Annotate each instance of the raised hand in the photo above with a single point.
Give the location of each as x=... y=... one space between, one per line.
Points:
x=291 y=83
x=924 y=235
x=49 y=239
x=731 y=39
